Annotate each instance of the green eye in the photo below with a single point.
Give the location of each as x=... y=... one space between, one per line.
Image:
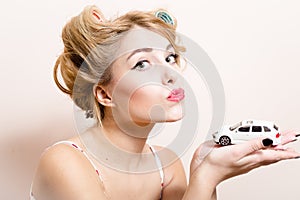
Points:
x=141 y=65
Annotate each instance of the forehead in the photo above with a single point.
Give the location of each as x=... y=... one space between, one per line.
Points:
x=141 y=38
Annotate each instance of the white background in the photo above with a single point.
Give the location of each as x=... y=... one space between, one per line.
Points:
x=255 y=46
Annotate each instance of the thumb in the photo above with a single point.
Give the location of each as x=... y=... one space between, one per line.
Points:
x=204 y=149
x=201 y=152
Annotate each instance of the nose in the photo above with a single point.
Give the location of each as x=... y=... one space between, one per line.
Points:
x=169 y=76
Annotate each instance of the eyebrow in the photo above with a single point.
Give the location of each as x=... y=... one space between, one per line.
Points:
x=139 y=50
x=146 y=50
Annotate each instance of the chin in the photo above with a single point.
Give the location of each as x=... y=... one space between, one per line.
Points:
x=171 y=115
x=175 y=114
x=171 y=118
x=174 y=118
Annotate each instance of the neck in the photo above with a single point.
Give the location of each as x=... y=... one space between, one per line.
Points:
x=119 y=148
x=127 y=136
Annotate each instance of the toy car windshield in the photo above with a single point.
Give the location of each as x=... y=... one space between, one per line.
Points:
x=235 y=126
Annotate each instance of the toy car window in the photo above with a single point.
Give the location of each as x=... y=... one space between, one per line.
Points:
x=266 y=129
x=256 y=129
x=276 y=127
x=244 y=129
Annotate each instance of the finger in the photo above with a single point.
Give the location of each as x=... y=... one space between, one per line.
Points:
x=268 y=156
x=280 y=147
x=283 y=133
x=241 y=150
x=289 y=136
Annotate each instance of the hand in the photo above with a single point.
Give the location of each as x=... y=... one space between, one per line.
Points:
x=287 y=137
x=216 y=164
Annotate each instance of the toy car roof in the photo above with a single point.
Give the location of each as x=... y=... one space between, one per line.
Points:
x=257 y=122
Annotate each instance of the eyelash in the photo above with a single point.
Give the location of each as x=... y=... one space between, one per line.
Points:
x=140 y=63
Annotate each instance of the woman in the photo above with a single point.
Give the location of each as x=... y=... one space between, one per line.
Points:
x=118 y=74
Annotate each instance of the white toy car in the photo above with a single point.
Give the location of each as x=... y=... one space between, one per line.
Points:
x=247 y=130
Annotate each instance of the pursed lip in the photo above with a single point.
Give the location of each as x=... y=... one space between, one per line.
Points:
x=176 y=95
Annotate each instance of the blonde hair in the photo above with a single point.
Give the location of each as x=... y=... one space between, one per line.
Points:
x=82 y=67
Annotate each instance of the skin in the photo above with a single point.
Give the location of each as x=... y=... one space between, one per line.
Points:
x=65 y=173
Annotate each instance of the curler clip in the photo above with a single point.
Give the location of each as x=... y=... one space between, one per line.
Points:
x=98 y=15
x=166 y=17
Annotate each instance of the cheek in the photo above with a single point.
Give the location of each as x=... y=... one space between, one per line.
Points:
x=147 y=104
x=150 y=103
x=147 y=97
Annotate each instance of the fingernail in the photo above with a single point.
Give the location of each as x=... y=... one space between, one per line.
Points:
x=267 y=142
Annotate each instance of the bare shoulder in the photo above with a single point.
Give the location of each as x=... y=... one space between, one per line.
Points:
x=175 y=178
x=65 y=173
x=172 y=164
x=168 y=157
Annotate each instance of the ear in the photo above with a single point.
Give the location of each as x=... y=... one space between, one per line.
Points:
x=102 y=96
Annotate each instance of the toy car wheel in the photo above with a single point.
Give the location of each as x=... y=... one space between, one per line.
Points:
x=224 y=140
